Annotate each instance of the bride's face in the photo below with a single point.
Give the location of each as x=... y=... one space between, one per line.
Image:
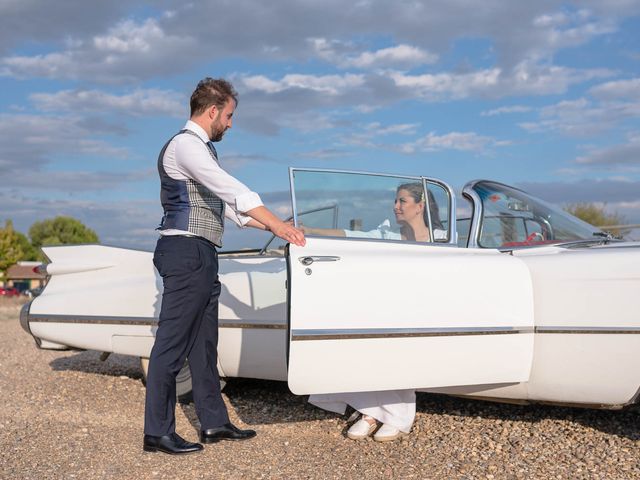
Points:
x=406 y=209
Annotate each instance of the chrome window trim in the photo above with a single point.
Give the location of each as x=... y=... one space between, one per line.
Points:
x=384 y=240
x=356 y=172
x=294 y=207
x=474 y=228
x=453 y=232
x=292 y=171
x=422 y=179
x=476 y=223
x=428 y=207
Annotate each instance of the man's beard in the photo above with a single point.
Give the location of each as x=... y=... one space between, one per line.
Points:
x=217 y=132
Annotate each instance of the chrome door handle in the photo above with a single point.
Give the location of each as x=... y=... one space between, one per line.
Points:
x=309 y=260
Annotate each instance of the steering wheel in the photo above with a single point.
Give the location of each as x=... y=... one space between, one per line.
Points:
x=533 y=237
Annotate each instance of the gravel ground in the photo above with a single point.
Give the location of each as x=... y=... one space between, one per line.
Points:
x=69 y=415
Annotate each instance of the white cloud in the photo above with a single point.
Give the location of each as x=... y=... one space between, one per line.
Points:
x=620 y=89
x=397 y=56
x=627 y=154
x=136 y=103
x=34 y=21
x=570 y=30
x=506 y=110
x=233 y=161
x=368 y=136
x=463 y=141
x=116 y=223
x=299 y=95
x=550 y=20
x=128 y=52
x=443 y=85
x=42 y=136
x=78 y=181
x=400 y=54
x=524 y=79
x=129 y=37
x=328 y=84
x=274 y=102
x=378 y=129
x=325 y=154
x=305 y=103
x=582 y=117
x=187 y=34
x=52 y=65
x=584 y=190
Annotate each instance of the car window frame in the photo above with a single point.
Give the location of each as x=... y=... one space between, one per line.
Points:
x=451 y=214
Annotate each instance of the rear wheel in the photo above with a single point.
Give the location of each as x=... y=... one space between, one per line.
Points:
x=183 y=380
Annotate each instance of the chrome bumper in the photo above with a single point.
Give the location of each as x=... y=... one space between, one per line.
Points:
x=24 y=321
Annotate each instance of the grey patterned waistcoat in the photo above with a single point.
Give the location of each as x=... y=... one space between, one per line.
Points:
x=188 y=205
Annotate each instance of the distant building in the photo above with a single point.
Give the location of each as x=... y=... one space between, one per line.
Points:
x=23 y=277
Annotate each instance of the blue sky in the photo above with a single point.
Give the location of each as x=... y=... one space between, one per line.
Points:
x=542 y=95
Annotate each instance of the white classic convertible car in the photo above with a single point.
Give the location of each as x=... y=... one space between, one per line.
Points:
x=519 y=301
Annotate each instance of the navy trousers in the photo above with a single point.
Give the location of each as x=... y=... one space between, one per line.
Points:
x=188 y=329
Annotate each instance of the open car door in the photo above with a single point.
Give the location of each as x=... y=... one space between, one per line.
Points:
x=369 y=313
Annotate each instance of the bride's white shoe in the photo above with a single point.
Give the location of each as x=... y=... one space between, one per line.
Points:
x=388 y=433
x=361 y=429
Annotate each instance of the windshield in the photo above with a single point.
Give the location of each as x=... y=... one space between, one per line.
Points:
x=512 y=218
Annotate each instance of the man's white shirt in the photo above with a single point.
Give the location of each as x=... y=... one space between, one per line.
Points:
x=187 y=157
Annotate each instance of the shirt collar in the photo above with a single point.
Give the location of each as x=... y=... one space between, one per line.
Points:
x=198 y=130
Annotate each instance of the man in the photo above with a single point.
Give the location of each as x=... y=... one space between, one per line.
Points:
x=196 y=195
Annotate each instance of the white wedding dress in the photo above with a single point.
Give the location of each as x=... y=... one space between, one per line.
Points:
x=393 y=407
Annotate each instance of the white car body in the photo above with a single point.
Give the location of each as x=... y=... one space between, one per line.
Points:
x=552 y=323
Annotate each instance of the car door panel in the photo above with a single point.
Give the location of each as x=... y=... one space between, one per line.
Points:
x=390 y=315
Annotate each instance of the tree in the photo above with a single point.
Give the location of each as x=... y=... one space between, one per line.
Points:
x=28 y=251
x=10 y=247
x=595 y=215
x=61 y=231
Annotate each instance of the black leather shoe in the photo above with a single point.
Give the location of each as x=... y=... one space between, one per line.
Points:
x=173 y=444
x=225 y=432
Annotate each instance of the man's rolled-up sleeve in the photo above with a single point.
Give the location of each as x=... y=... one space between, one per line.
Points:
x=239 y=219
x=247 y=201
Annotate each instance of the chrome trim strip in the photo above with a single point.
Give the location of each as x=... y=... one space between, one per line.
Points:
x=351 y=334
x=92 y=319
x=266 y=326
x=24 y=317
x=325 y=334
x=359 y=333
x=96 y=319
x=589 y=330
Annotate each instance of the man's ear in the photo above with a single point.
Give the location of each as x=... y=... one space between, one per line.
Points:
x=213 y=111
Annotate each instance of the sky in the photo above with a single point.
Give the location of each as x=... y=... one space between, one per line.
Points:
x=541 y=95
